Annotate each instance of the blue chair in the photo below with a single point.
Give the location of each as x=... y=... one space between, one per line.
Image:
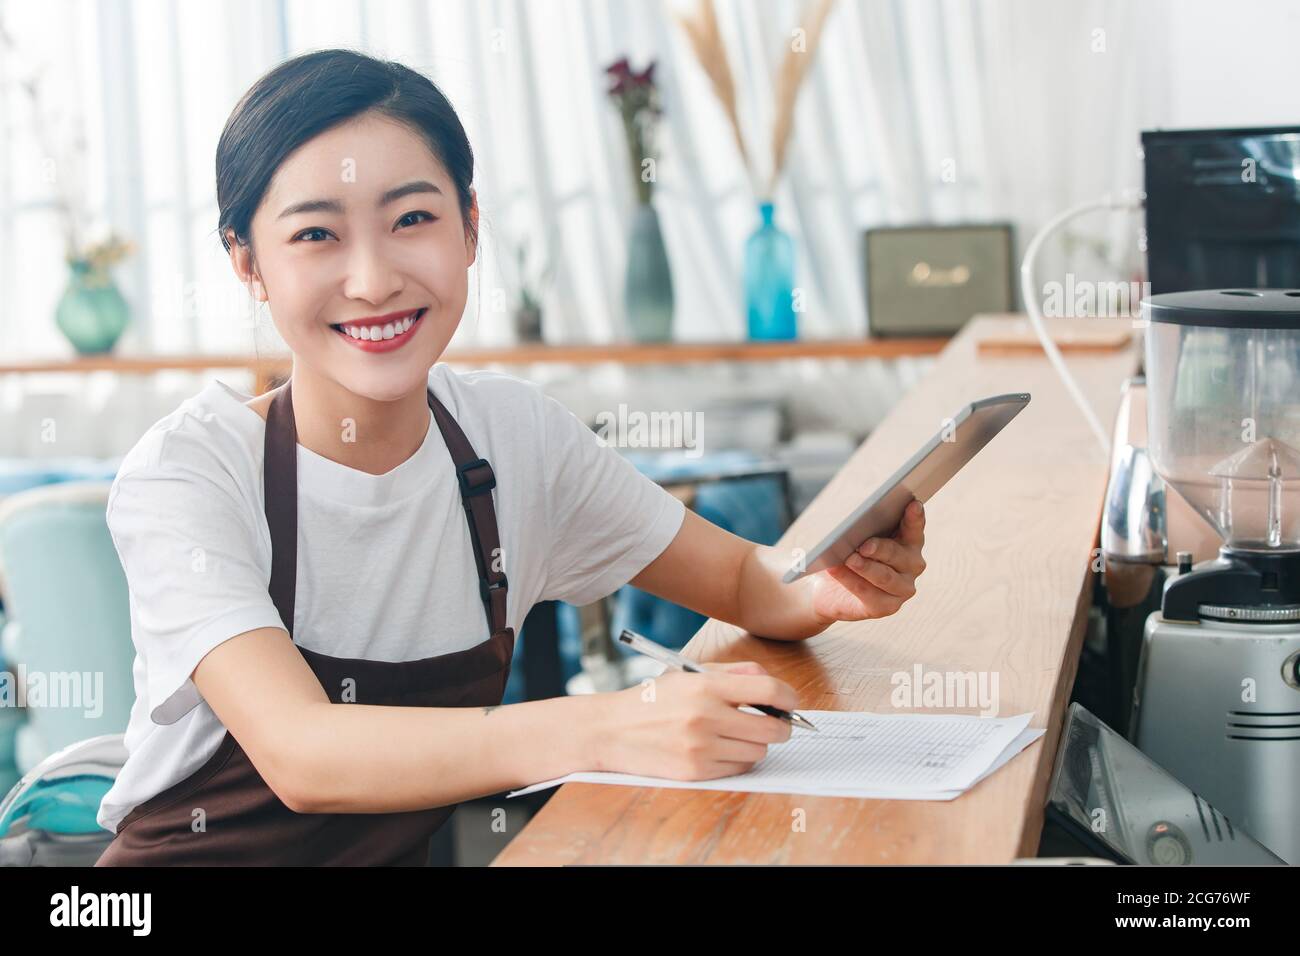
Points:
x=48 y=818
x=21 y=474
x=11 y=719
x=69 y=622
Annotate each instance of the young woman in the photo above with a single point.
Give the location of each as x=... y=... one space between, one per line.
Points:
x=342 y=539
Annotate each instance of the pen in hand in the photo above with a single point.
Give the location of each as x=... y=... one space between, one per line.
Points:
x=657 y=652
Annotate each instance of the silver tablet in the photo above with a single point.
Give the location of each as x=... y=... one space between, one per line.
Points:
x=956 y=443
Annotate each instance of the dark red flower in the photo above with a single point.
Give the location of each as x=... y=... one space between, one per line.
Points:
x=619 y=73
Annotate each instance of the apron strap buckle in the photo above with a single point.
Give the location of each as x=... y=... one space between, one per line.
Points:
x=479 y=484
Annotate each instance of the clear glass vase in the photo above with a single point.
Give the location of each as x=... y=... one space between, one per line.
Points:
x=769 y=280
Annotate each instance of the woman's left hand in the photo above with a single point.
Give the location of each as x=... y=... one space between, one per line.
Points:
x=876 y=579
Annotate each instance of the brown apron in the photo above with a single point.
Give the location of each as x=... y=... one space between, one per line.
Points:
x=245 y=823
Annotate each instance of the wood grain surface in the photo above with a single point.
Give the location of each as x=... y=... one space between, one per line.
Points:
x=1009 y=549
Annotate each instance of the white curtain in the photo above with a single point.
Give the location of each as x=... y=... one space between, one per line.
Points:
x=915 y=110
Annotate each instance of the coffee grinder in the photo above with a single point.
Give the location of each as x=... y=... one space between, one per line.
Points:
x=1217 y=699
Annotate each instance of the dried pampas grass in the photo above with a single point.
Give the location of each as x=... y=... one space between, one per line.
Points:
x=789 y=79
x=706 y=41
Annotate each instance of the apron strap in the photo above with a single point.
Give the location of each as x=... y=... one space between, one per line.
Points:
x=476 y=480
x=280 y=501
x=280 y=483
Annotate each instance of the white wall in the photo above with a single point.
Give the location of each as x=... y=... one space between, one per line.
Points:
x=1231 y=63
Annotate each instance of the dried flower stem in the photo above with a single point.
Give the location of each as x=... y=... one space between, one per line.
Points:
x=706 y=40
x=789 y=79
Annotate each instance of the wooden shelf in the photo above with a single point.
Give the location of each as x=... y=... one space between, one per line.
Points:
x=141 y=364
x=622 y=352
x=266 y=368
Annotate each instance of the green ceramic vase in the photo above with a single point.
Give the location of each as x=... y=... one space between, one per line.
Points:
x=648 y=289
x=91 y=313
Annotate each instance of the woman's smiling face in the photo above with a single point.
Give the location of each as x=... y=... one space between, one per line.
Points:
x=361 y=251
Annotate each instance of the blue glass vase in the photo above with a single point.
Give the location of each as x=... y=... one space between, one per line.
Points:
x=769 y=281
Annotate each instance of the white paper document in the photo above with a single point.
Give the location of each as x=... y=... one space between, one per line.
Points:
x=860 y=754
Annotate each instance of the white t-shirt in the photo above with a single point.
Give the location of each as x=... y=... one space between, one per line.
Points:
x=385 y=565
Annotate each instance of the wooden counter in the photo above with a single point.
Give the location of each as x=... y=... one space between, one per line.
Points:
x=1009 y=547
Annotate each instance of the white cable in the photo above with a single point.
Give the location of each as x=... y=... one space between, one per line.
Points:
x=1128 y=199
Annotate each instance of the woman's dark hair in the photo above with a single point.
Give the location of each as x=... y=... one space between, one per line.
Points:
x=313 y=93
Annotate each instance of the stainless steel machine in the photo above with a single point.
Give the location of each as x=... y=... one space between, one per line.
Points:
x=1115 y=803
x=1216 y=701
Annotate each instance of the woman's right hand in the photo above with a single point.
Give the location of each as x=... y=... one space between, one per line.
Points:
x=688 y=726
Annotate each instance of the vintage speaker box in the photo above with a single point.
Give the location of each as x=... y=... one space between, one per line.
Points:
x=928 y=280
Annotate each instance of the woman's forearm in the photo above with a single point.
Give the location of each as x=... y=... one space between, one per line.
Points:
x=725 y=576
x=768 y=607
x=356 y=758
